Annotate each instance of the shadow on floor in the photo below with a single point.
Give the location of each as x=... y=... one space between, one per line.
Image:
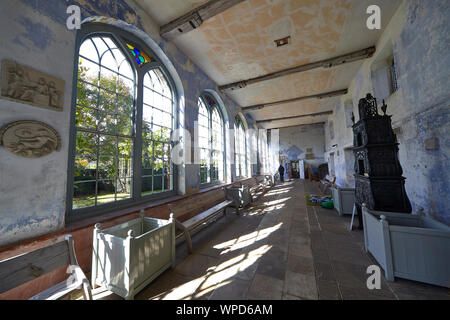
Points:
x=278 y=248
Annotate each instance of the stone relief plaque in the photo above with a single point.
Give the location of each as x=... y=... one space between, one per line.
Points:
x=29 y=139
x=29 y=86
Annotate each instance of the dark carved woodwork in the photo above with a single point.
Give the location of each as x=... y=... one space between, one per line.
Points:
x=323 y=170
x=378 y=173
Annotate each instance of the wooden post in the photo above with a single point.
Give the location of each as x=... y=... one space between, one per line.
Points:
x=94 y=271
x=188 y=240
x=129 y=274
x=353 y=216
x=389 y=272
x=142 y=215
x=172 y=230
x=72 y=256
x=366 y=236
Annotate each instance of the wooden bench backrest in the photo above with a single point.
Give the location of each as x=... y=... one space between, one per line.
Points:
x=29 y=266
x=259 y=179
x=331 y=179
x=196 y=203
x=249 y=182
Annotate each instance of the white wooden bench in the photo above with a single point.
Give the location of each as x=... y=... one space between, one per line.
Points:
x=255 y=186
x=270 y=179
x=258 y=187
x=191 y=212
x=326 y=183
x=29 y=266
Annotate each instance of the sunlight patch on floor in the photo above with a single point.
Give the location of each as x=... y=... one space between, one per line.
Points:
x=246 y=240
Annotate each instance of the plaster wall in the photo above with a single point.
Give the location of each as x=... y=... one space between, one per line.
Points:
x=34 y=33
x=418 y=37
x=294 y=142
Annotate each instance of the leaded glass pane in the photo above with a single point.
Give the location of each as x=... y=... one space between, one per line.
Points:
x=240 y=144
x=158 y=119
x=104 y=121
x=105 y=124
x=210 y=140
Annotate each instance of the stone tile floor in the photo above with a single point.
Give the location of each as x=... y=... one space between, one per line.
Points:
x=279 y=248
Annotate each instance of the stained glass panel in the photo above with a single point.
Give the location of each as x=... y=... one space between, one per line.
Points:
x=141 y=57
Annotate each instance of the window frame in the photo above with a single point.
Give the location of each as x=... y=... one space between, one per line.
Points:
x=238 y=122
x=393 y=74
x=210 y=110
x=120 y=38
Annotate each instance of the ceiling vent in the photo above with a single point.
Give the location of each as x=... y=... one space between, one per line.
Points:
x=283 y=41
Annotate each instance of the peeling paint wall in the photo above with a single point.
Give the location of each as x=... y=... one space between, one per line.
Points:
x=295 y=142
x=417 y=36
x=34 y=33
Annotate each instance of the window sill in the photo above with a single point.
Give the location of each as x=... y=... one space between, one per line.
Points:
x=236 y=179
x=113 y=214
x=205 y=186
x=116 y=213
x=102 y=218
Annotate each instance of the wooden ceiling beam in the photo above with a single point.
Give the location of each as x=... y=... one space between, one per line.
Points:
x=194 y=18
x=316 y=96
x=296 y=125
x=327 y=63
x=296 y=117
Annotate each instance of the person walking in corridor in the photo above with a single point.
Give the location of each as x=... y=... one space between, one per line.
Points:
x=281 y=172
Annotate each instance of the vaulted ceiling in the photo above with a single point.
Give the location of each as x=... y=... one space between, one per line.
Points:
x=239 y=44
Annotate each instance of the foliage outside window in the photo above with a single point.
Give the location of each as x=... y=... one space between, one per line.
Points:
x=157 y=172
x=240 y=148
x=211 y=140
x=107 y=137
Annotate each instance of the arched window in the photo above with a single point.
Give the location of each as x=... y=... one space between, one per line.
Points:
x=240 y=146
x=124 y=115
x=211 y=140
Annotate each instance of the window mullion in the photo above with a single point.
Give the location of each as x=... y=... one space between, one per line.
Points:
x=210 y=145
x=137 y=150
x=97 y=131
x=113 y=110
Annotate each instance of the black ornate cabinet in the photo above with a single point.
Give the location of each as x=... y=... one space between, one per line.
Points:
x=378 y=173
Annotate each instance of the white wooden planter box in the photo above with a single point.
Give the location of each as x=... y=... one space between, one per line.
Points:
x=128 y=256
x=270 y=178
x=241 y=195
x=408 y=246
x=343 y=199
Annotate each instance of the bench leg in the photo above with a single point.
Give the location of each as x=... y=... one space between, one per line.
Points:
x=130 y=296
x=188 y=240
x=87 y=293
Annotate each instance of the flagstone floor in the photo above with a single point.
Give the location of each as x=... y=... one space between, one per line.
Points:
x=278 y=248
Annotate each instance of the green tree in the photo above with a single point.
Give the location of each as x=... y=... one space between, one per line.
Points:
x=104 y=141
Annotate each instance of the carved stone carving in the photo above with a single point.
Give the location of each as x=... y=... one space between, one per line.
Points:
x=29 y=139
x=23 y=84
